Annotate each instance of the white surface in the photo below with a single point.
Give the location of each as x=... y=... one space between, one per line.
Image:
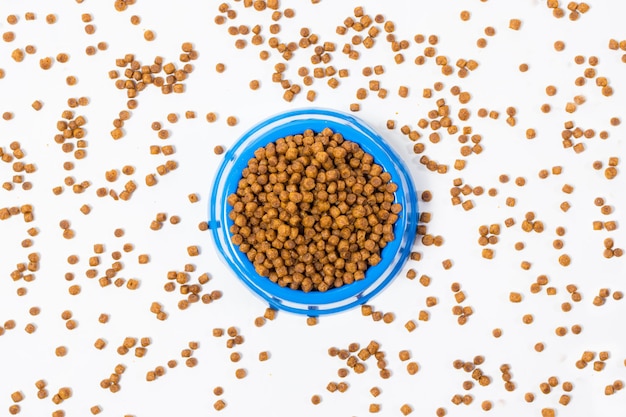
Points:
x=299 y=366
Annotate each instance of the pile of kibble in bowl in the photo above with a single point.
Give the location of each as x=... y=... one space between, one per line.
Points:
x=313 y=212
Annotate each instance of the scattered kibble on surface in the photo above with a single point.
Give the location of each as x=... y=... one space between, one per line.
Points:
x=312 y=211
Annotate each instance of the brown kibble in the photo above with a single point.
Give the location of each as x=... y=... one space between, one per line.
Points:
x=564 y=399
x=99 y=344
x=410 y=325
x=388 y=317
x=270 y=313
x=610 y=172
x=17 y=55
x=17 y=396
x=588 y=356
x=609 y=390
x=211 y=117
x=191 y=362
x=219 y=405
x=45 y=63
x=561 y=331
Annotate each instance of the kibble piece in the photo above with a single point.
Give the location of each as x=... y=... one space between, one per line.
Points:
x=191 y=362
x=388 y=317
x=99 y=344
x=45 y=63
x=412 y=368
x=219 y=405
x=406 y=409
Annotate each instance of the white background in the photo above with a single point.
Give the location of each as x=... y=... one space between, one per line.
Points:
x=299 y=366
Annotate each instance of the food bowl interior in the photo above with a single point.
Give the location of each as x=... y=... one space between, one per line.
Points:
x=393 y=255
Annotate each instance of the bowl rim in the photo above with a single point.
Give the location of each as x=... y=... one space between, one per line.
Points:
x=336 y=299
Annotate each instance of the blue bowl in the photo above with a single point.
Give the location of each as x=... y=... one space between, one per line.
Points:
x=393 y=256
